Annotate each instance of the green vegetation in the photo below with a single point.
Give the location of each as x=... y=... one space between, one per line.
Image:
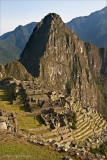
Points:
x=36 y=107
x=40 y=132
x=17 y=70
x=28 y=122
x=13 y=147
x=74 y=125
x=101 y=150
x=17 y=105
x=4 y=103
x=53 y=136
x=11 y=93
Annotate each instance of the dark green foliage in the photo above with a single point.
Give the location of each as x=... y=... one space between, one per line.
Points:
x=25 y=100
x=11 y=93
x=74 y=125
x=101 y=150
x=7 y=78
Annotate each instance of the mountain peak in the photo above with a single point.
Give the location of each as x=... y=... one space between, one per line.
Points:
x=45 y=34
x=53 y=15
x=48 y=19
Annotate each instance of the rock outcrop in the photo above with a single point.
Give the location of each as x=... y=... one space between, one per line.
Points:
x=2 y=71
x=14 y=70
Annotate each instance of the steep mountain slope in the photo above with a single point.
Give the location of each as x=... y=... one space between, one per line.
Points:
x=92 y=28
x=13 y=43
x=14 y=70
x=62 y=61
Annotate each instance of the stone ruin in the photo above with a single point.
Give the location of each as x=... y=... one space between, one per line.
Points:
x=53 y=119
x=8 y=121
x=55 y=109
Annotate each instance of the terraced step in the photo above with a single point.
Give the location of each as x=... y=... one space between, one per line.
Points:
x=67 y=135
x=84 y=136
x=93 y=114
x=67 y=140
x=83 y=132
x=81 y=124
x=87 y=125
x=85 y=128
x=96 y=116
x=102 y=122
x=95 y=120
x=81 y=116
x=100 y=125
x=98 y=130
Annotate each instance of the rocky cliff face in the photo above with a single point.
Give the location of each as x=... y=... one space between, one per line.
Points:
x=2 y=71
x=62 y=61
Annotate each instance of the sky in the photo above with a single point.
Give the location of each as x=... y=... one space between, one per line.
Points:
x=22 y=12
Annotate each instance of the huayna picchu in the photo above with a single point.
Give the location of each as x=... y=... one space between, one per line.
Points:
x=63 y=104
x=62 y=61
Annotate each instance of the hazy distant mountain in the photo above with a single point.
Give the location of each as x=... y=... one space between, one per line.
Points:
x=92 y=28
x=13 y=43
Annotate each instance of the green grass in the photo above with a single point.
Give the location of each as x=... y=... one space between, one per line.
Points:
x=20 y=122
x=53 y=136
x=28 y=152
x=19 y=108
x=40 y=132
x=29 y=122
x=5 y=104
x=18 y=148
x=32 y=121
